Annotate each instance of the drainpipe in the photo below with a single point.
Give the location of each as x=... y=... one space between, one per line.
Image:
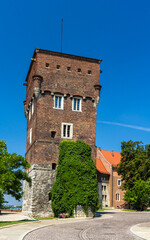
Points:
x=112 y=184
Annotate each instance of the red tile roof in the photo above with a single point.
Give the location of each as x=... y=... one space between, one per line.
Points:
x=112 y=157
x=100 y=167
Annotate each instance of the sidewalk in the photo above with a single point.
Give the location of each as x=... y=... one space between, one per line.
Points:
x=142 y=230
x=6 y=217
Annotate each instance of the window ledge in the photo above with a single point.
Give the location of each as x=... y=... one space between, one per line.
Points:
x=76 y=110
x=58 y=108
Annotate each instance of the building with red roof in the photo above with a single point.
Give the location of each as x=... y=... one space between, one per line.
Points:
x=109 y=182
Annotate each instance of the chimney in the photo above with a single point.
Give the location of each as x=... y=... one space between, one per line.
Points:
x=112 y=153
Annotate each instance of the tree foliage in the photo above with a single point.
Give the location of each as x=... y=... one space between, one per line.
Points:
x=139 y=195
x=134 y=169
x=11 y=175
x=76 y=182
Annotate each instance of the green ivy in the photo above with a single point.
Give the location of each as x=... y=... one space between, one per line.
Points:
x=76 y=182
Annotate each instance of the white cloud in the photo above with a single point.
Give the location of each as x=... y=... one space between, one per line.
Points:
x=126 y=125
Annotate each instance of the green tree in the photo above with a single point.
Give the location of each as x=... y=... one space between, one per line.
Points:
x=134 y=169
x=76 y=182
x=11 y=175
x=139 y=195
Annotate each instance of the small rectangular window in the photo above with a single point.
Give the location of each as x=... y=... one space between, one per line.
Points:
x=47 y=65
x=58 y=102
x=76 y=104
x=89 y=72
x=67 y=130
x=79 y=70
x=53 y=133
x=53 y=166
x=30 y=135
x=58 y=67
x=68 y=69
x=117 y=197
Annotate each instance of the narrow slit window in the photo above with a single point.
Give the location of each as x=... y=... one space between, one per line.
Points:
x=47 y=65
x=32 y=107
x=29 y=112
x=49 y=196
x=30 y=135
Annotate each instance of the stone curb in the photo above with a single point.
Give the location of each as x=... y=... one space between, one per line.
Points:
x=138 y=235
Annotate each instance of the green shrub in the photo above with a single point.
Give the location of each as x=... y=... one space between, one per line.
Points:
x=76 y=182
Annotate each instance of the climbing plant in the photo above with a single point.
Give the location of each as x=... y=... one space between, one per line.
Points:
x=76 y=182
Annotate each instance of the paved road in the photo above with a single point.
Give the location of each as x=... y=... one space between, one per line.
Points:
x=115 y=228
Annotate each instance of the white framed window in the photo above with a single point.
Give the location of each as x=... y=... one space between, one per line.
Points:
x=117 y=197
x=67 y=130
x=30 y=135
x=32 y=107
x=77 y=104
x=58 y=102
x=29 y=112
x=118 y=182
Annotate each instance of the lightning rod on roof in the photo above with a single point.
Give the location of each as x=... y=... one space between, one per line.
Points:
x=61 y=33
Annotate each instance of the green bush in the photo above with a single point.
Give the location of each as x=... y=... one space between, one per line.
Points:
x=76 y=182
x=139 y=196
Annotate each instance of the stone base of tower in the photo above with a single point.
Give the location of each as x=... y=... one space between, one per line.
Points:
x=36 y=199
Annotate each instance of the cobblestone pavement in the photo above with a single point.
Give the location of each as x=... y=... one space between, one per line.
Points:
x=115 y=228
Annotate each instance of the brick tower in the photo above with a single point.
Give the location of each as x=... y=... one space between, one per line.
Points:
x=62 y=94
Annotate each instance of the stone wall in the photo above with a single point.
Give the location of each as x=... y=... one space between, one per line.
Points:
x=79 y=212
x=36 y=200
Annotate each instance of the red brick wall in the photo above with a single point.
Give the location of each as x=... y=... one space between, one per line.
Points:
x=117 y=189
x=45 y=119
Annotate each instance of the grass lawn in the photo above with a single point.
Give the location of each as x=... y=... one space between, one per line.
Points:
x=2 y=224
x=43 y=218
x=131 y=210
x=103 y=209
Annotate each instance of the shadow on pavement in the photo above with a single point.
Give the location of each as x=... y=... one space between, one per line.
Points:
x=99 y=213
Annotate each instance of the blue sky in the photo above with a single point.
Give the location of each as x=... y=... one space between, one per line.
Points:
x=116 y=31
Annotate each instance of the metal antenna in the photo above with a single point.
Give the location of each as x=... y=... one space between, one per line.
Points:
x=61 y=33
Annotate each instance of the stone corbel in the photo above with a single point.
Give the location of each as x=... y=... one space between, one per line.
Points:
x=37 y=85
